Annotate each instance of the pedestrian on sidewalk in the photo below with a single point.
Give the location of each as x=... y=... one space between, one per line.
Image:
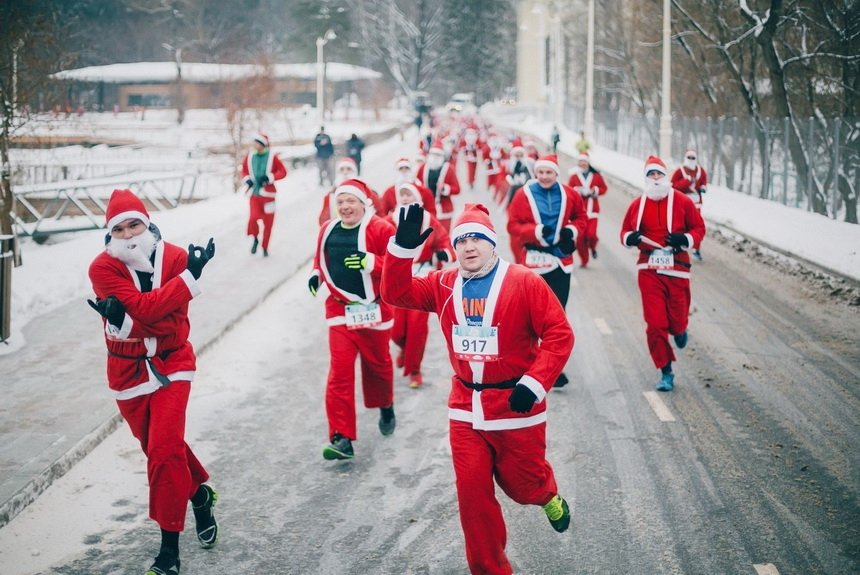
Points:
x=261 y=168
x=692 y=179
x=665 y=225
x=545 y=220
x=555 y=138
x=411 y=326
x=324 y=156
x=143 y=286
x=589 y=183
x=348 y=259
x=508 y=339
x=354 y=146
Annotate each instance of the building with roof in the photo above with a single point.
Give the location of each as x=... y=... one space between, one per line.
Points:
x=205 y=85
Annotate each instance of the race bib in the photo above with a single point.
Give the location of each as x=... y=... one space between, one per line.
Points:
x=661 y=259
x=475 y=342
x=360 y=316
x=536 y=259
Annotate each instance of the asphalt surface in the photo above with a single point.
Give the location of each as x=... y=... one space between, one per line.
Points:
x=749 y=466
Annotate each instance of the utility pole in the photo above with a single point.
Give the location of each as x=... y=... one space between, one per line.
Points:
x=666 y=108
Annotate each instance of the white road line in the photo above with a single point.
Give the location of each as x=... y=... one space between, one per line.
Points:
x=663 y=413
x=602 y=326
x=766 y=569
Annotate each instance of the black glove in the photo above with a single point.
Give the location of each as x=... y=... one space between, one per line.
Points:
x=566 y=243
x=703 y=190
x=264 y=180
x=314 y=285
x=677 y=240
x=199 y=257
x=546 y=231
x=249 y=182
x=442 y=255
x=409 y=234
x=109 y=308
x=634 y=238
x=522 y=399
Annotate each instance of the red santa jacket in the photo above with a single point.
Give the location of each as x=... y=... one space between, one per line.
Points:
x=388 y=201
x=437 y=241
x=156 y=323
x=589 y=189
x=373 y=236
x=275 y=170
x=534 y=337
x=328 y=211
x=691 y=182
x=525 y=225
x=446 y=186
x=655 y=219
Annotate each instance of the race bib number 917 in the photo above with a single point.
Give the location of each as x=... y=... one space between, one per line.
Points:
x=475 y=342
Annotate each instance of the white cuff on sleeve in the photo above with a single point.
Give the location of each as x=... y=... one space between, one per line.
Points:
x=534 y=385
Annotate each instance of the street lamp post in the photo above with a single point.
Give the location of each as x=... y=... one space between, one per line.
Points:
x=322 y=41
x=666 y=107
x=588 y=128
x=180 y=104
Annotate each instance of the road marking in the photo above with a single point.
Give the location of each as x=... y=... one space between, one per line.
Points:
x=766 y=569
x=602 y=326
x=663 y=413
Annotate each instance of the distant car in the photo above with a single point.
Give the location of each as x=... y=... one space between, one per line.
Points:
x=509 y=97
x=462 y=103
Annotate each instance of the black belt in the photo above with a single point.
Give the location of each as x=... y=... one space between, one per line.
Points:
x=162 y=379
x=507 y=384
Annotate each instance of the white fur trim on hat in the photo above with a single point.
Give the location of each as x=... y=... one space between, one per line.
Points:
x=546 y=164
x=354 y=190
x=129 y=215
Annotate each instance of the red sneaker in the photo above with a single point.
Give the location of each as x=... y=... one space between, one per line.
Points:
x=415 y=380
x=400 y=361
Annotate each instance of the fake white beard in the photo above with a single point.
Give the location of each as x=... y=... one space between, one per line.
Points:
x=470 y=139
x=134 y=252
x=404 y=178
x=435 y=162
x=341 y=178
x=689 y=164
x=657 y=189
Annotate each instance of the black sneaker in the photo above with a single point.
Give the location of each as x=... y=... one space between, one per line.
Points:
x=265 y=253
x=561 y=381
x=254 y=246
x=207 y=528
x=339 y=448
x=594 y=254
x=387 y=421
x=167 y=563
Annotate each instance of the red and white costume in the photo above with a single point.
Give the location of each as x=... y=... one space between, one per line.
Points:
x=691 y=179
x=470 y=148
x=328 y=211
x=589 y=185
x=411 y=326
x=446 y=186
x=262 y=199
x=664 y=284
x=346 y=342
x=488 y=439
x=153 y=341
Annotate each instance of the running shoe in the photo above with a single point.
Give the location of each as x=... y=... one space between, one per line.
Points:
x=667 y=382
x=339 y=448
x=167 y=563
x=205 y=524
x=680 y=340
x=387 y=421
x=558 y=513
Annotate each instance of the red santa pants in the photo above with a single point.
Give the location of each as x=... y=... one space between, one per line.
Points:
x=377 y=375
x=666 y=308
x=588 y=241
x=410 y=334
x=157 y=420
x=262 y=209
x=517 y=460
x=471 y=168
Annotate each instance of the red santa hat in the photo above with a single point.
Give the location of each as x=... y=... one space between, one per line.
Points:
x=474 y=222
x=402 y=163
x=437 y=148
x=124 y=205
x=355 y=187
x=518 y=150
x=548 y=161
x=583 y=156
x=415 y=193
x=262 y=139
x=655 y=163
x=346 y=162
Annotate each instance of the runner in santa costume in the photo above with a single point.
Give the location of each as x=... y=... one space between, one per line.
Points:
x=519 y=171
x=345 y=169
x=261 y=168
x=508 y=339
x=405 y=174
x=411 y=325
x=470 y=146
x=440 y=177
x=348 y=259
x=588 y=182
x=143 y=285
x=665 y=225
x=692 y=179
